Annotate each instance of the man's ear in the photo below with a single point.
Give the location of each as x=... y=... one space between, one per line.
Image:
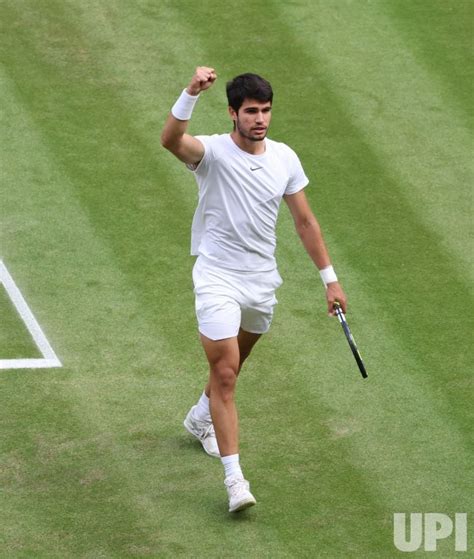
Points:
x=232 y=113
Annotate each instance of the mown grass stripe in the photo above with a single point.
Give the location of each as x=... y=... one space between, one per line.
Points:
x=436 y=32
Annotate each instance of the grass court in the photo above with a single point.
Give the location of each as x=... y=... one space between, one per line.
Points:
x=376 y=99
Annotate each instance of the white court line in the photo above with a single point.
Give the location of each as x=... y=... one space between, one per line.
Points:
x=50 y=359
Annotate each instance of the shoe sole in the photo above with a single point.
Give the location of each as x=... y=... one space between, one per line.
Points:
x=244 y=505
x=189 y=430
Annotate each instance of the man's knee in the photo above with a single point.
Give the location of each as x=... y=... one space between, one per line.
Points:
x=223 y=377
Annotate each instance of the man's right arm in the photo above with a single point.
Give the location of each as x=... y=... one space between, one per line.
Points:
x=173 y=137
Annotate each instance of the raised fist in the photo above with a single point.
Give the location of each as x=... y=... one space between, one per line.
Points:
x=203 y=79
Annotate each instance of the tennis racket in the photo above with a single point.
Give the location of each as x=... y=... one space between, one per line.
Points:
x=350 y=338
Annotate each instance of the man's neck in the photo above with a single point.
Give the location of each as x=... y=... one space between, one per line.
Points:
x=250 y=146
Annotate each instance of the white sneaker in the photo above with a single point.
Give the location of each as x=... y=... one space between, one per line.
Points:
x=240 y=497
x=204 y=432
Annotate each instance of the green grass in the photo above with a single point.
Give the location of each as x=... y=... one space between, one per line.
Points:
x=15 y=340
x=376 y=99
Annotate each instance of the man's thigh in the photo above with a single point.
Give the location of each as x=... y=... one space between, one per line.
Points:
x=246 y=341
x=223 y=352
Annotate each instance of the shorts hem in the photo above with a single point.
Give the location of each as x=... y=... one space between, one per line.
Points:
x=253 y=331
x=215 y=332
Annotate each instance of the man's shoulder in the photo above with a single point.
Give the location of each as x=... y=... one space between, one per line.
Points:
x=215 y=144
x=212 y=139
x=281 y=148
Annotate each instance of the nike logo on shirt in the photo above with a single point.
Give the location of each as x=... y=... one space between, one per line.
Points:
x=255 y=168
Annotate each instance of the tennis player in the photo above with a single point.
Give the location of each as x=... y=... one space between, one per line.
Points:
x=242 y=178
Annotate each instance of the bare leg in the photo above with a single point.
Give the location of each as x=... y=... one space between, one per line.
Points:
x=225 y=361
x=223 y=357
x=246 y=342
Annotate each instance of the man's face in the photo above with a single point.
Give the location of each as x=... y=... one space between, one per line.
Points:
x=253 y=119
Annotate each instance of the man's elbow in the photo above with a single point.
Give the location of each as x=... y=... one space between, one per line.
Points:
x=306 y=224
x=166 y=140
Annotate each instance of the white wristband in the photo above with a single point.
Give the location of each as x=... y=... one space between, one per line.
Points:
x=328 y=275
x=183 y=108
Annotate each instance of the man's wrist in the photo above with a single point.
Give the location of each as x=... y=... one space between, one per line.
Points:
x=190 y=91
x=328 y=275
x=183 y=108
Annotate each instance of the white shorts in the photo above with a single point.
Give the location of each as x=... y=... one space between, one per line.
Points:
x=228 y=300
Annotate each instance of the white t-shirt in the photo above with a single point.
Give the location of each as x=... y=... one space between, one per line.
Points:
x=239 y=197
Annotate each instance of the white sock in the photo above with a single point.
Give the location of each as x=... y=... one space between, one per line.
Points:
x=201 y=411
x=232 y=466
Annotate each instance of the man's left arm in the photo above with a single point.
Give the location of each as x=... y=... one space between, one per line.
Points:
x=311 y=236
